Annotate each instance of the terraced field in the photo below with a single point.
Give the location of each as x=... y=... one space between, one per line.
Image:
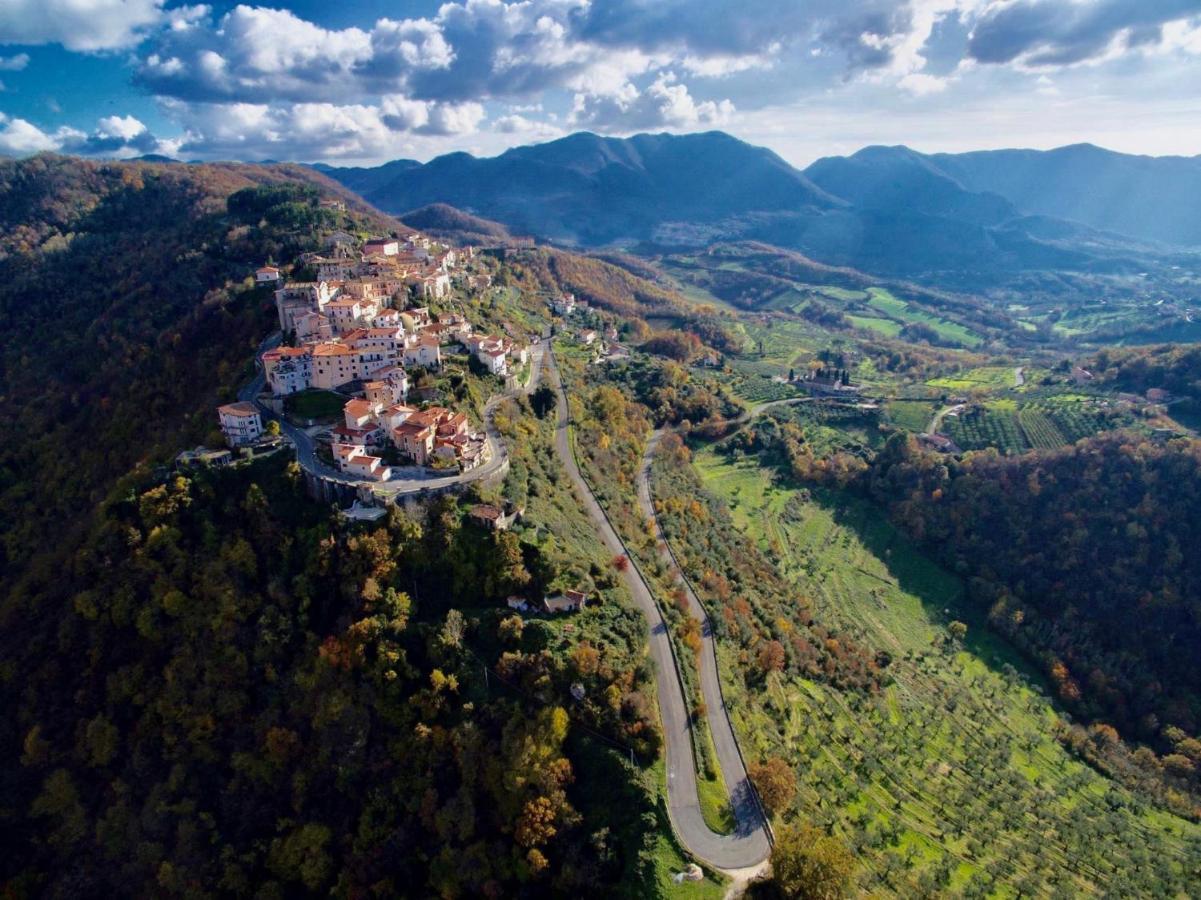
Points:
x=1014 y=428
x=950 y=781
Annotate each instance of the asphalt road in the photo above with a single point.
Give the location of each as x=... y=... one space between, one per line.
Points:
x=748 y=846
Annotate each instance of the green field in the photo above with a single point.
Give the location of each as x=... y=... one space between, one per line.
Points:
x=886 y=327
x=314 y=404
x=905 y=313
x=912 y=415
x=950 y=780
x=983 y=378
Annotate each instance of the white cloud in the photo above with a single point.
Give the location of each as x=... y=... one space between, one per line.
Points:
x=14 y=63
x=113 y=136
x=79 y=24
x=666 y=103
x=311 y=131
x=21 y=138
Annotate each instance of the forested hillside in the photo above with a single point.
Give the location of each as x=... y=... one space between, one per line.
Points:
x=1084 y=557
x=228 y=691
x=129 y=310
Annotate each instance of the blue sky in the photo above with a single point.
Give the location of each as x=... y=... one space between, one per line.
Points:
x=365 y=82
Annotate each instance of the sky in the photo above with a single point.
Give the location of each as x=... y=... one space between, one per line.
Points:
x=361 y=82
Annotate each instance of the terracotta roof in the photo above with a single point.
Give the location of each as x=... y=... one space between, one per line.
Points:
x=332 y=350
x=241 y=408
x=358 y=408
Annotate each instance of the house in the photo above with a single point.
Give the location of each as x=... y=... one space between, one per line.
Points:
x=297 y=298
x=312 y=326
x=241 y=423
x=353 y=459
x=564 y=305
x=588 y=337
x=338 y=240
x=940 y=442
x=493 y=517
x=423 y=350
x=416 y=318
x=266 y=275
x=289 y=370
x=568 y=601
x=518 y=603
x=381 y=247
x=360 y=413
x=414 y=440
x=493 y=354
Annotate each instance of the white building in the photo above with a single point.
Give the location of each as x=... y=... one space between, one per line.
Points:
x=423 y=350
x=353 y=459
x=267 y=275
x=381 y=247
x=240 y=423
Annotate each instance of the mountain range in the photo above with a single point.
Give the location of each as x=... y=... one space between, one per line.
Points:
x=889 y=210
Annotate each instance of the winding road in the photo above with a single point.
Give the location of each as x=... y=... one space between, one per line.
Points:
x=748 y=846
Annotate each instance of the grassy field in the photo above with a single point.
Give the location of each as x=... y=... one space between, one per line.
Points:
x=314 y=404
x=905 y=313
x=912 y=415
x=983 y=378
x=950 y=780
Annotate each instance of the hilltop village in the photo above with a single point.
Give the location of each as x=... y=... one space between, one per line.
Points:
x=355 y=323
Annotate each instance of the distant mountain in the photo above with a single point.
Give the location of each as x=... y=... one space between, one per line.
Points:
x=964 y=221
x=1148 y=198
x=590 y=190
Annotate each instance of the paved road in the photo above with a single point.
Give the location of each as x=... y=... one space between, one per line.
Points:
x=748 y=845
x=410 y=479
x=747 y=811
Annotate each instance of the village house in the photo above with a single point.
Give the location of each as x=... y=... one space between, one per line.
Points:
x=353 y=459
x=333 y=268
x=423 y=350
x=564 y=305
x=414 y=440
x=493 y=517
x=241 y=423
x=267 y=275
x=299 y=297
x=381 y=247
x=312 y=326
x=568 y=601
x=288 y=369
x=416 y=318
x=588 y=337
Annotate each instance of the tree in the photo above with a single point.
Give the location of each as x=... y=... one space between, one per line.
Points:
x=807 y=864
x=771 y=657
x=776 y=783
x=542 y=401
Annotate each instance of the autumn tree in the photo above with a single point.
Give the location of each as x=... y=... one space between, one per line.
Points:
x=776 y=783
x=807 y=864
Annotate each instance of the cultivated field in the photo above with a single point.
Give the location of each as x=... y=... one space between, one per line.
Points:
x=950 y=780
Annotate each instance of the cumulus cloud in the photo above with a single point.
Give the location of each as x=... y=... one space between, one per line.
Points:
x=120 y=136
x=84 y=24
x=1041 y=33
x=14 y=63
x=664 y=104
x=320 y=130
